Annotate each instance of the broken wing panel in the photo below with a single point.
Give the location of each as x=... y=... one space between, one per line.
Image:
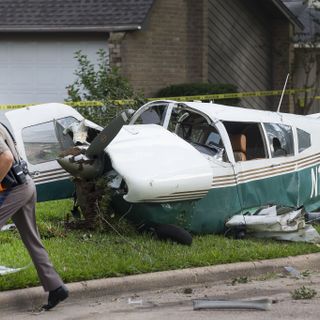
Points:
x=158 y=166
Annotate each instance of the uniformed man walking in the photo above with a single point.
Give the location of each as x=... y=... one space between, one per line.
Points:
x=17 y=201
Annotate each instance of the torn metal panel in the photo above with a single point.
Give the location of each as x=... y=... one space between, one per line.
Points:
x=306 y=234
x=79 y=130
x=261 y=304
x=271 y=223
x=268 y=220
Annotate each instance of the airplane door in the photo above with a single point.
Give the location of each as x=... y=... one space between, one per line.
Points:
x=223 y=199
x=38 y=144
x=264 y=165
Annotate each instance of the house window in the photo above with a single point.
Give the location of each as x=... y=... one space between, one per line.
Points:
x=41 y=142
x=246 y=140
x=304 y=140
x=280 y=138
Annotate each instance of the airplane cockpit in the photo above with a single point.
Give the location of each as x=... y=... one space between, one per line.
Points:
x=248 y=140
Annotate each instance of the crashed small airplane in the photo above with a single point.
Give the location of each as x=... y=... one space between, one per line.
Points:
x=196 y=165
x=193 y=165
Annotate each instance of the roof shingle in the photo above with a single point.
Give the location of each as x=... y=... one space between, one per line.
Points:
x=73 y=14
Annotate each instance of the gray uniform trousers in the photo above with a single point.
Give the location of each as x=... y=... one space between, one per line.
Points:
x=19 y=204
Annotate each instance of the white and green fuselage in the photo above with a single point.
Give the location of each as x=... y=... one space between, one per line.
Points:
x=190 y=164
x=163 y=178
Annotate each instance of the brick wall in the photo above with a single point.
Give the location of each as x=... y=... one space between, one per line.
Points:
x=168 y=50
x=173 y=48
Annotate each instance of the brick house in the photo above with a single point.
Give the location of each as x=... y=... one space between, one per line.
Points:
x=155 y=43
x=306 y=57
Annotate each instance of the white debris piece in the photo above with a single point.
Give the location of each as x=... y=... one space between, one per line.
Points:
x=8 y=227
x=6 y=270
x=307 y=234
x=79 y=130
x=268 y=223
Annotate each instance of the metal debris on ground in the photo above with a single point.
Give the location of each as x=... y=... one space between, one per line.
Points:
x=133 y=301
x=260 y=304
x=8 y=227
x=293 y=272
x=280 y=223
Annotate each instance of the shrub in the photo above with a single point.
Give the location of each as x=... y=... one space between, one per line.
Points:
x=101 y=84
x=99 y=94
x=194 y=89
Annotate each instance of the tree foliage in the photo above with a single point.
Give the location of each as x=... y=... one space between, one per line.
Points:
x=103 y=83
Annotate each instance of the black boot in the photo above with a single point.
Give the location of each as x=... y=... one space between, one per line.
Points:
x=56 y=296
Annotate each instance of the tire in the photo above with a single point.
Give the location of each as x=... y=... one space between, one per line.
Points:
x=173 y=233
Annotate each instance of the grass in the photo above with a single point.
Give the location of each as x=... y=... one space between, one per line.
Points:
x=84 y=255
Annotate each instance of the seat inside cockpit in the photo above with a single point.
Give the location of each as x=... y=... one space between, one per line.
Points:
x=246 y=140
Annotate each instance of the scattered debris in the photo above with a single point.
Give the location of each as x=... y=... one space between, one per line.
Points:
x=132 y=301
x=141 y=304
x=187 y=291
x=8 y=227
x=7 y=270
x=303 y=293
x=293 y=272
x=260 y=304
x=241 y=279
x=313 y=217
x=278 y=223
x=79 y=131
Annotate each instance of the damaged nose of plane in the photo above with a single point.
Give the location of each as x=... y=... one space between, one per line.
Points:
x=88 y=162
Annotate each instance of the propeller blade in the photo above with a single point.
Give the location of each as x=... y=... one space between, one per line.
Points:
x=101 y=141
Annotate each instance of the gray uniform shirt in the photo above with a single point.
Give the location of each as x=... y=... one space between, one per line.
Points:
x=6 y=142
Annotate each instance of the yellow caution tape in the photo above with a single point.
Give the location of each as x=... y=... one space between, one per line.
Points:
x=14 y=106
x=219 y=96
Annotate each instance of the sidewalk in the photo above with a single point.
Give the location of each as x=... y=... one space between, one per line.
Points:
x=34 y=297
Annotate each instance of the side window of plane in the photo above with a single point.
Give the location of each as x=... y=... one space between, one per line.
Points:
x=280 y=139
x=41 y=142
x=304 y=140
x=195 y=129
x=154 y=114
x=246 y=140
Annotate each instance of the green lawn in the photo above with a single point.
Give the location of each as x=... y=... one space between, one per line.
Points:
x=84 y=255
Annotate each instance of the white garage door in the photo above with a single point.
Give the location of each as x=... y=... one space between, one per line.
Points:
x=36 y=71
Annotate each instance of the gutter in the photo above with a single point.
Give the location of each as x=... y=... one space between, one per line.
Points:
x=42 y=29
x=30 y=299
x=288 y=14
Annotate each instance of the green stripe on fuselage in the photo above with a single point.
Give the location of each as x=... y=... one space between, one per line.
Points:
x=55 y=190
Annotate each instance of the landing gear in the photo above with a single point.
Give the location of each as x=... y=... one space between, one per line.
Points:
x=173 y=233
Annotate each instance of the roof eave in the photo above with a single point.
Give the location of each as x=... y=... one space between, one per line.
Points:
x=288 y=14
x=40 y=29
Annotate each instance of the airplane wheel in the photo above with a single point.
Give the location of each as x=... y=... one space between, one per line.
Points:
x=174 y=233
